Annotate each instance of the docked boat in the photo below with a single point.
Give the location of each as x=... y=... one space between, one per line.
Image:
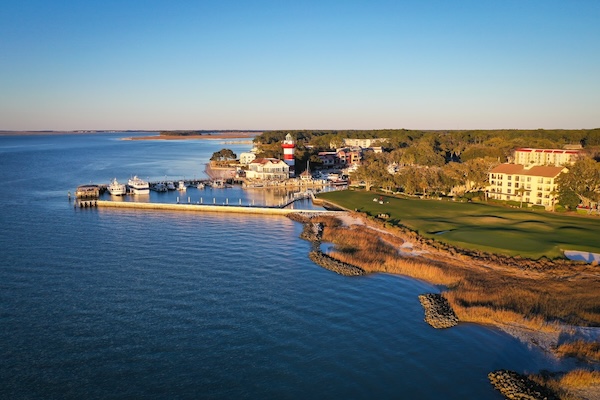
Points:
x=220 y=184
x=116 y=189
x=138 y=186
x=170 y=186
x=159 y=187
x=181 y=185
x=200 y=185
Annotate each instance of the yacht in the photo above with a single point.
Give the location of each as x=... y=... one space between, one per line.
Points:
x=181 y=185
x=170 y=186
x=116 y=189
x=138 y=186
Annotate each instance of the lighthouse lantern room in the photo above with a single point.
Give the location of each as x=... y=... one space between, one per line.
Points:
x=289 y=146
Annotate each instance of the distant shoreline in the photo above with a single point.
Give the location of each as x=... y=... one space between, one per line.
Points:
x=213 y=135
x=219 y=135
x=31 y=133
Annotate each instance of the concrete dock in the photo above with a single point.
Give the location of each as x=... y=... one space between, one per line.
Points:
x=206 y=208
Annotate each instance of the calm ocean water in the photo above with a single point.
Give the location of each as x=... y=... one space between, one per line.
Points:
x=98 y=303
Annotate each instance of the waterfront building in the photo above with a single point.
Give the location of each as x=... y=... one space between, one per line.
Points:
x=529 y=184
x=247 y=157
x=268 y=169
x=328 y=158
x=555 y=157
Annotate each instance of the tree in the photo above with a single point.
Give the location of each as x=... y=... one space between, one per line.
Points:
x=582 y=180
x=223 y=155
x=373 y=172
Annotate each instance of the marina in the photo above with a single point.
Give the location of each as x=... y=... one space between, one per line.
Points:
x=268 y=194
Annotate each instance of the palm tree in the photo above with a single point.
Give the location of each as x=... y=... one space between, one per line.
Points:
x=521 y=191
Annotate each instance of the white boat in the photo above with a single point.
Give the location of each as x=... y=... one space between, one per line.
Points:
x=200 y=185
x=181 y=185
x=220 y=184
x=160 y=187
x=116 y=189
x=170 y=186
x=138 y=186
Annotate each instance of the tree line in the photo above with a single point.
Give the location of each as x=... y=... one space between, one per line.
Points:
x=447 y=162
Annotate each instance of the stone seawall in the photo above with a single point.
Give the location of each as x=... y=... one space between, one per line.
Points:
x=334 y=265
x=438 y=312
x=513 y=385
x=205 y=208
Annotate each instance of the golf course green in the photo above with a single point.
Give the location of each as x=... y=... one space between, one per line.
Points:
x=480 y=226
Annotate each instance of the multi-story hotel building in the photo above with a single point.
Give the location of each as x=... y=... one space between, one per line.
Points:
x=555 y=157
x=534 y=185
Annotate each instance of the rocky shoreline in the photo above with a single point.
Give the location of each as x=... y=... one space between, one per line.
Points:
x=327 y=262
x=438 y=312
x=313 y=232
x=513 y=385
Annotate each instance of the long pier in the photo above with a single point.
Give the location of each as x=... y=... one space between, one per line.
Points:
x=206 y=208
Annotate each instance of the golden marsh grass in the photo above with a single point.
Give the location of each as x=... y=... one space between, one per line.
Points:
x=479 y=292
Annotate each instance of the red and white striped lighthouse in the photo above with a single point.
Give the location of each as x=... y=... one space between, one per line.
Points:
x=289 y=145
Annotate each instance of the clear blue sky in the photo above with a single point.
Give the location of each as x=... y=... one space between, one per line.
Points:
x=220 y=64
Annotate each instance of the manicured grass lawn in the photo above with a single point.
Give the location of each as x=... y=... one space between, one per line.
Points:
x=494 y=229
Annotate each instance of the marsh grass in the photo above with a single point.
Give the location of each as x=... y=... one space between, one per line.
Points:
x=500 y=296
x=580 y=378
x=580 y=349
x=360 y=246
x=568 y=386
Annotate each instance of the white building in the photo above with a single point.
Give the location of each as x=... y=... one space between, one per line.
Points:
x=247 y=157
x=364 y=143
x=269 y=169
x=555 y=157
x=532 y=184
